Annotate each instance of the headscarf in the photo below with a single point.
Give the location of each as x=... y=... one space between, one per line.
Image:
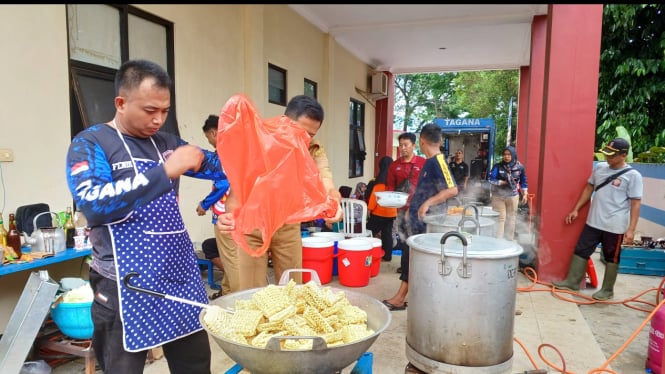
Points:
x=513 y=158
x=359 y=189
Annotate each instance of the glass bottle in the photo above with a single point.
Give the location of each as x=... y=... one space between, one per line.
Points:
x=70 y=229
x=13 y=237
x=3 y=233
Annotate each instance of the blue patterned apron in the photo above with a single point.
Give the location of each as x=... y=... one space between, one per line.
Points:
x=153 y=241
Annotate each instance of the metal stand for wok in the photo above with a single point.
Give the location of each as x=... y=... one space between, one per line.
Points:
x=363 y=365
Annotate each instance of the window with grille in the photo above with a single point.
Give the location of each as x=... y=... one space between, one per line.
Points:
x=357 y=150
x=101 y=38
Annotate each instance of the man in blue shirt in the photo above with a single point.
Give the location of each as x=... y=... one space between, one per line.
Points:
x=435 y=186
x=224 y=255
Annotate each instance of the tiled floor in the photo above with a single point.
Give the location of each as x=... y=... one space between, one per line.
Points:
x=547 y=328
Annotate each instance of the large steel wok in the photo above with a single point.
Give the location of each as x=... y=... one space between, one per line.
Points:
x=320 y=359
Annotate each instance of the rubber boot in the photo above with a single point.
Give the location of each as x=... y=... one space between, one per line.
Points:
x=607 y=290
x=576 y=271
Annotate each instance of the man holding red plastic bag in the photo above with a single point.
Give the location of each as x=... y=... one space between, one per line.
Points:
x=280 y=177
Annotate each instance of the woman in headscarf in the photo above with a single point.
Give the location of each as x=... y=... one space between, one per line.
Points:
x=508 y=182
x=381 y=218
x=359 y=193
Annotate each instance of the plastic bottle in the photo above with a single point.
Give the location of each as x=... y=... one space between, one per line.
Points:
x=70 y=229
x=13 y=237
x=3 y=232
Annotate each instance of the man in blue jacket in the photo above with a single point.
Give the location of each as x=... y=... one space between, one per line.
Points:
x=123 y=175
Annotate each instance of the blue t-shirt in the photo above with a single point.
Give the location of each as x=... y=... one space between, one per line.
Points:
x=434 y=177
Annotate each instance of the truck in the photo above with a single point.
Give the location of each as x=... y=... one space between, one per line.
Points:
x=476 y=137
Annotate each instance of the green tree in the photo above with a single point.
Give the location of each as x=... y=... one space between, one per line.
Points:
x=419 y=98
x=631 y=85
x=487 y=94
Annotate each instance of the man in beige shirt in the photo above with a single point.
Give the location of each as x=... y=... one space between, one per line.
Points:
x=286 y=244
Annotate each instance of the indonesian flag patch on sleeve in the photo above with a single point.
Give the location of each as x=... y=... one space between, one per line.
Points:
x=79 y=167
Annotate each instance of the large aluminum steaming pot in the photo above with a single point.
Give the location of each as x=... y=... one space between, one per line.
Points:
x=443 y=223
x=461 y=303
x=321 y=359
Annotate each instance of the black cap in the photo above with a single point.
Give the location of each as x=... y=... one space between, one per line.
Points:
x=618 y=145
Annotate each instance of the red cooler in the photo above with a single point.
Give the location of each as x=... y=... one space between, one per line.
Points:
x=354 y=261
x=377 y=253
x=335 y=237
x=317 y=254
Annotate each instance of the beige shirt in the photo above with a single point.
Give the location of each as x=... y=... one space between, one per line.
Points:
x=321 y=159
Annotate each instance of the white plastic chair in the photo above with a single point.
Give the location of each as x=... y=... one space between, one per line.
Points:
x=351 y=209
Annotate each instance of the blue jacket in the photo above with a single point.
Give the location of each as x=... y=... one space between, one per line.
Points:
x=512 y=172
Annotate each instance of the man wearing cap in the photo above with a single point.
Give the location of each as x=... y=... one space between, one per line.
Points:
x=612 y=218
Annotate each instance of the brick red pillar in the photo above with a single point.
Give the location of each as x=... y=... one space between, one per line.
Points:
x=530 y=110
x=570 y=91
x=383 y=124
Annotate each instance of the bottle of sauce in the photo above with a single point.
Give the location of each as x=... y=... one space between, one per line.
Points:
x=70 y=229
x=13 y=237
x=3 y=233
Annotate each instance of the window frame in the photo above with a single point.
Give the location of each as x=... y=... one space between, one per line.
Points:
x=83 y=110
x=283 y=90
x=79 y=114
x=357 y=146
x=314 y=88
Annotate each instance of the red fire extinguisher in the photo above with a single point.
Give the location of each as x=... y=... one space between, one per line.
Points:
x=591 y=273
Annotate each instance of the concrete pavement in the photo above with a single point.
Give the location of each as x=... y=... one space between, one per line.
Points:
x=547 y=328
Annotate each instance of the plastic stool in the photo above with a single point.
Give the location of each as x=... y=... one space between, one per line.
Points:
x=211 y=273
x=363 y=365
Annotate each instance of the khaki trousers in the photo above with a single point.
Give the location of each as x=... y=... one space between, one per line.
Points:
x=507 y=208
x=286 y=252
x=228 y=253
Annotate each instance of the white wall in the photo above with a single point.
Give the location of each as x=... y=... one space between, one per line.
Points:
x=220 y=50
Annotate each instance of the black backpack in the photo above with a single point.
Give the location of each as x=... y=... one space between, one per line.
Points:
x=25 y=215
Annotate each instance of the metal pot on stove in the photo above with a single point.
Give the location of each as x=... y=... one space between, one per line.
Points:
x=461 y=303
x=442 y=223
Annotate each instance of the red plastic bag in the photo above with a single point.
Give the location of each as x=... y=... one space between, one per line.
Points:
x=271 y=172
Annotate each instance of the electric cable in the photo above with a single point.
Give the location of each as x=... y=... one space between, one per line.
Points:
x=579 y=298
x=4 y=190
